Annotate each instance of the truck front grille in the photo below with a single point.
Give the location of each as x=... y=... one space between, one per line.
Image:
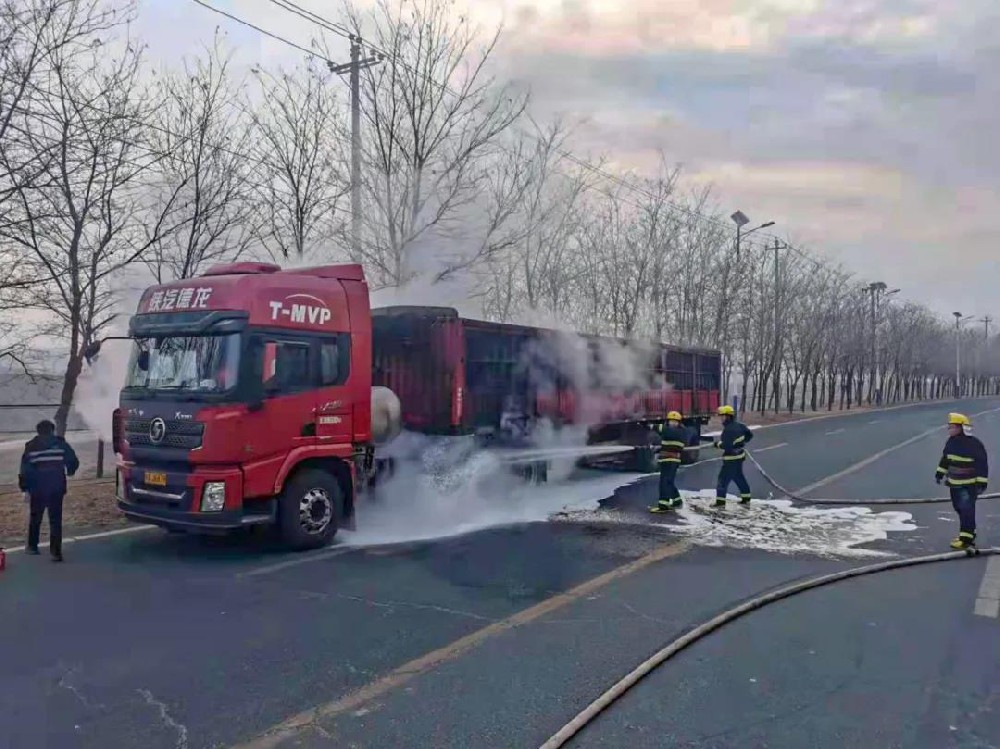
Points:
x=185 y=435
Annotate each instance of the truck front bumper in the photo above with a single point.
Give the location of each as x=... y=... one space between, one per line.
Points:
x=215 y=523
x=174 y=500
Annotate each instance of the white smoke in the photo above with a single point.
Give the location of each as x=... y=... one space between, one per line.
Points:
x=446 y=487
x=101 y=380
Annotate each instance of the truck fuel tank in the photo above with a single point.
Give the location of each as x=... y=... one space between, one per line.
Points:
x=387 y=415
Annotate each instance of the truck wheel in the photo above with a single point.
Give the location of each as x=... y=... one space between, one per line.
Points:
x=309 y=509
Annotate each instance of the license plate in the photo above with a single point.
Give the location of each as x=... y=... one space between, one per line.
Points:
x=156 y=478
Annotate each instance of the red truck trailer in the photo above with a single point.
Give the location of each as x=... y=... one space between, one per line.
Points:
x=455 y=375
x=261 y=396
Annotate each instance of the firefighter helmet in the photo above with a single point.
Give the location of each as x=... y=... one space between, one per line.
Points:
x=674 y=416
x=727 y=411
x=959 y=419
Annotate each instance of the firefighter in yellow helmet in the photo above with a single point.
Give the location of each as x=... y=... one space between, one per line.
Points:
x=965 y=470
x=732 y=442
x=673 y=440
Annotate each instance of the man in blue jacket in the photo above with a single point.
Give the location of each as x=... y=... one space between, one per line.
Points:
x=46 y=462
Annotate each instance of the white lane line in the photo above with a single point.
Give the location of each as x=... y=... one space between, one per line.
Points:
x=836 y=431
x=988 y=601
x=879 y=455
x=771 y=447
x=304 y=559
x=103 y=534
x=875 y=421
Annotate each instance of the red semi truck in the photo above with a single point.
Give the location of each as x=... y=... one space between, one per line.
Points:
x=262 y=396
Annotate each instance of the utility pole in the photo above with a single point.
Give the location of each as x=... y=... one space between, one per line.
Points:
x=354 y=68
x=777 y=357
x=958 y=355
x=986 y=349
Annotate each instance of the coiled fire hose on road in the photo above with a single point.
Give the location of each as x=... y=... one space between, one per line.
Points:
x=577 y=724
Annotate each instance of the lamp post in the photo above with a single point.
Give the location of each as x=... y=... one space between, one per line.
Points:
x=959 y=319
x=740 y=219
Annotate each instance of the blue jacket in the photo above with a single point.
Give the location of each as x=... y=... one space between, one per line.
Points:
x=45 y=465
x=733 y=439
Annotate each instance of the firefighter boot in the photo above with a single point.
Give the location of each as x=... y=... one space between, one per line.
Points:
x=664 y=505
x=677 y=502
x=744 y=499
x=965 y=540
x=720 y=501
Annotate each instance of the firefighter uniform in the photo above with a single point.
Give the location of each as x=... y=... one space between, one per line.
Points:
x=964 y=468
x=46 y=461
x=732 y=442
x=673 y=440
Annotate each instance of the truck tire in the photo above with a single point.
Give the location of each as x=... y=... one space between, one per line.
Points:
x=645 y=459
x=309 y=509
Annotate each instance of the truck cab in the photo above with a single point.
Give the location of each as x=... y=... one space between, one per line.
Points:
x=248 y=401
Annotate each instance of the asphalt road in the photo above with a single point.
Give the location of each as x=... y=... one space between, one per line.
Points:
x=499 y=637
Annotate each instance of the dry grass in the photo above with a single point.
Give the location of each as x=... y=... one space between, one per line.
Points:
x=89 y=507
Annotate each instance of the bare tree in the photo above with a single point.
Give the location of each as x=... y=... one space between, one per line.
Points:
x=299 y=137
x=87 y=216
x=435 y=154
x=202 y=174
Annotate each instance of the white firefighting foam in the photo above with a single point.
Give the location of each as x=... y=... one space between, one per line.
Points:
x=442 y=494
x=774 y=525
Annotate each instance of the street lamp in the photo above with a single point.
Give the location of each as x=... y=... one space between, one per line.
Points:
x=740 y=219
x=959 y=319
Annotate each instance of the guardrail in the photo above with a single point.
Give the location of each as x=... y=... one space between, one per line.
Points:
x=99 y=462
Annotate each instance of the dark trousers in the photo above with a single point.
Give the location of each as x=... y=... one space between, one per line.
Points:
x=732 y=471
x=963 y=499
x=668 y=480
x=40 y=504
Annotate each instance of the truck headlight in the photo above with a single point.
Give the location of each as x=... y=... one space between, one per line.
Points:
x=213 y=496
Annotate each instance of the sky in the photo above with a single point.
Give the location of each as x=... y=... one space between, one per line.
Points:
x=863 y=128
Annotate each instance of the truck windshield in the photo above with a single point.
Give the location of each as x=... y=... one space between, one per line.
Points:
x=194 y=364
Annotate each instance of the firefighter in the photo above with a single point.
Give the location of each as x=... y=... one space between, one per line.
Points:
x=673 y=440
x=732 y=442
x=965 y=471
x=46 y=461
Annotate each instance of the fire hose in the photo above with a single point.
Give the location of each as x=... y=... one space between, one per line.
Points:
x=578 y=723
x=878 y=501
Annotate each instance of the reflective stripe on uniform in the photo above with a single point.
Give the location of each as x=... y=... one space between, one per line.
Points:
x=960 y=459
x=962 y=482
x=671 y=443
x=741 y=456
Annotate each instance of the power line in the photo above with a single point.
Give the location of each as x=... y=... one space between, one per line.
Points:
x=263 y=31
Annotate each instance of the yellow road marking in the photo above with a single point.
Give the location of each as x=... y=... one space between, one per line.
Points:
x=293 y=726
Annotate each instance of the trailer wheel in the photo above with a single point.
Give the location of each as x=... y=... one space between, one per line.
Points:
x=309 y=509
x=689 y=457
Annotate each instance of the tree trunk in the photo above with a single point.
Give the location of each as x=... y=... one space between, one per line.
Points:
x=73 y=368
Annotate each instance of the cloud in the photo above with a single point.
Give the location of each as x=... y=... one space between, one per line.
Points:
x=864 y=126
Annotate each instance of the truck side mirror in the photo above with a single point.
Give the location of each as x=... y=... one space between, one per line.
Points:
x=143 y=361
x=91 y=351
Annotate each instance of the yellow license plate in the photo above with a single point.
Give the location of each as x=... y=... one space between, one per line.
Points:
x=156 y=478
